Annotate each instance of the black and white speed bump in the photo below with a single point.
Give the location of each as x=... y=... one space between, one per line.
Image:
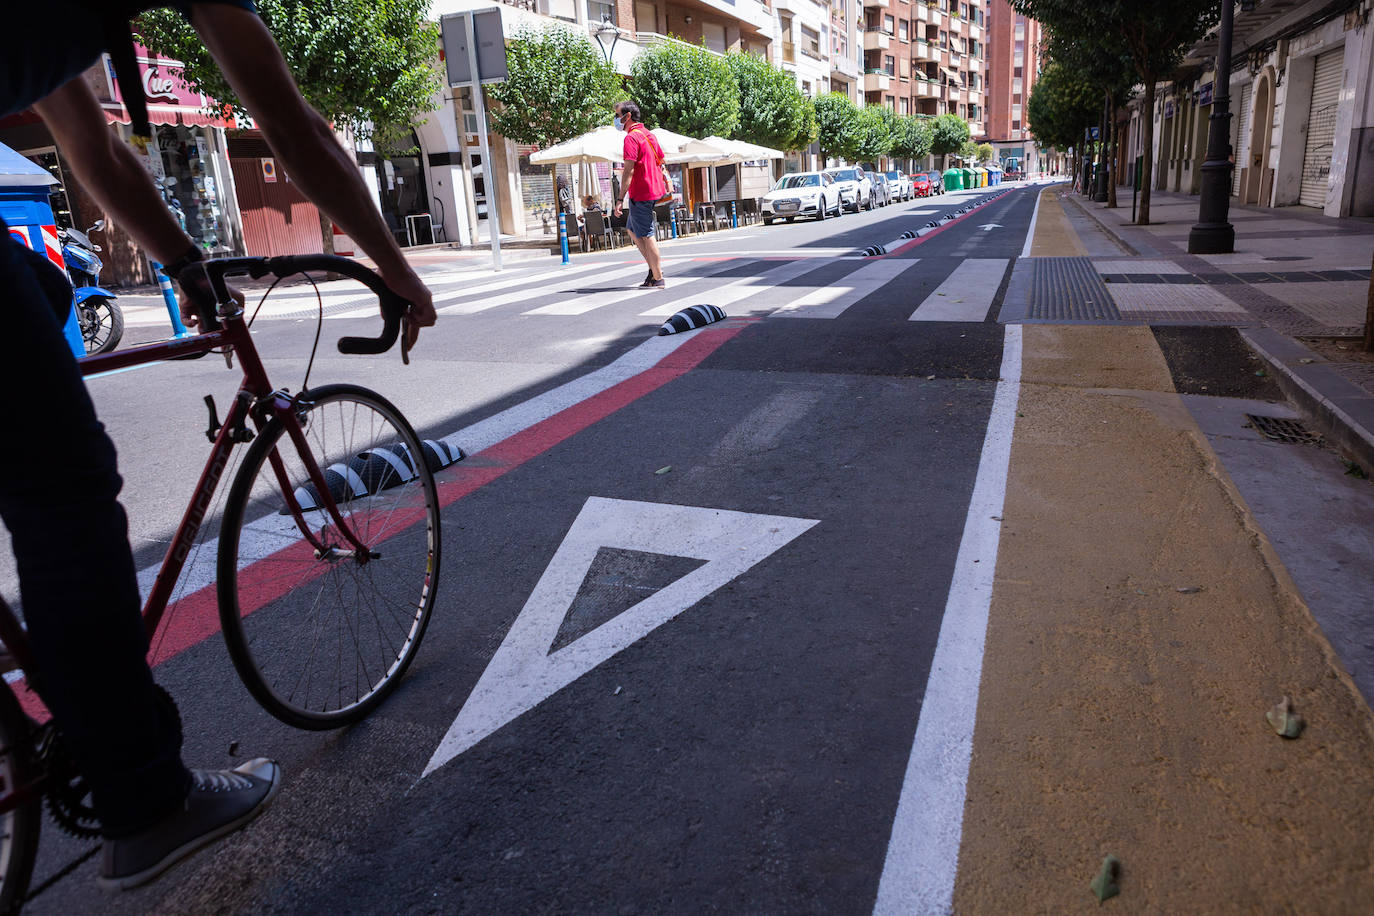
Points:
x=373 y=471
x=691 y=318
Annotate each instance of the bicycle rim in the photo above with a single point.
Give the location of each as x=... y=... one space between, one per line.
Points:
x=321 y=640
x=18 y=827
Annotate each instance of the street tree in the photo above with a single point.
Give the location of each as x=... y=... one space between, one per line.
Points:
x=558 y=87
x=968 y=151
x=911 y=138
x=810 y=130
x=986 y=152
x=686 y=89
x=837 y=124
x=949 y=132
x=772 y=110
x=365 y=66
x=1060 y=106
x=1155 y=36
x=877 y=124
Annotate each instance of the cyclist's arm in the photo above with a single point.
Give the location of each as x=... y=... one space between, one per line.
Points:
x=110 y=171
x=303 y=141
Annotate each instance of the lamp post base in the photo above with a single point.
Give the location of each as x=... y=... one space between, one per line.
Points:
x=1212 y=238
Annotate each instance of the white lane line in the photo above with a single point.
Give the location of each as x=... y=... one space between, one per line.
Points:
x=831 y=300
x=588 y=302
x=735 y=290
x=923 y=851
x=1030 y=233
x=473 y=306
x=966 y=294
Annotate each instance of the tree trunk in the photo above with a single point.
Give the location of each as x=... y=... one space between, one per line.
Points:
x=1114 y=155
x=327 y=233
x=1147 y=166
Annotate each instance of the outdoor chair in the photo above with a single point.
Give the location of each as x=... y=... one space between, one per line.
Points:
x=662 y=216
x=596 y=228
x=717 y=214
x=748 y=209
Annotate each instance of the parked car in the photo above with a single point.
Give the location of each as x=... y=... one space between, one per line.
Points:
x=801 y=194
x=920 y=184
x=882 y=191
x=856 y=190
x=901 y=184
x=937 y=181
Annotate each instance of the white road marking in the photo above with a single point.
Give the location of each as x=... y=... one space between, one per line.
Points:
x=829 y=301
x=520 y=295
x=966 y=294
x=587 y=302
x=1030 y=233
x=735 y=290
x=523 y=672
x=923 y=851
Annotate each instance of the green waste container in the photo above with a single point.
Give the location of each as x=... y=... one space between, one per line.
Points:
x=968 y=177
x=954 y=179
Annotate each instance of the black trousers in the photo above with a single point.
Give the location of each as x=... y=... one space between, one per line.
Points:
x=58 y=498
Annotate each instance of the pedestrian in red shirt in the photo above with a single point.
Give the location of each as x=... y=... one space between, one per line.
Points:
x=642 y=179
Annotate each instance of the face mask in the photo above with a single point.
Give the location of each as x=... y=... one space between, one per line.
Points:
x=619 y=123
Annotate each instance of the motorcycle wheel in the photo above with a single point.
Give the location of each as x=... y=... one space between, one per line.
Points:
x=102 y=324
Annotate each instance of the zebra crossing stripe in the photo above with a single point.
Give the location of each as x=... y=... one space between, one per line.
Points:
x=587 y=302
x=741 y=288
x=966 y=294
x=831 y=300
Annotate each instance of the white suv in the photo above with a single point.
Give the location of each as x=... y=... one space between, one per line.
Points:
x=856 y=190
x=901 y=184
x=801 y=194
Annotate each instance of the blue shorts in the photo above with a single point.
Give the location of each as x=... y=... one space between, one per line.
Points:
x=641 y=218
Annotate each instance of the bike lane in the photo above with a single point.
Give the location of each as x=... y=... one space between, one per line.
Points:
x=742 y=644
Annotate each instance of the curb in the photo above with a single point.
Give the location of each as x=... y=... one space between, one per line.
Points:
x=1342 y=410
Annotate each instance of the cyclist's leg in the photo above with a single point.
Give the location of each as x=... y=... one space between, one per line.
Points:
x=58 y=489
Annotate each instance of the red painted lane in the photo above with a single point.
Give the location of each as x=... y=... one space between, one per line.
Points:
x=195 y=618
x=914 y=242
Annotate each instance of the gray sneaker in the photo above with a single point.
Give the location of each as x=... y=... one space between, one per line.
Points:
x=220 y=802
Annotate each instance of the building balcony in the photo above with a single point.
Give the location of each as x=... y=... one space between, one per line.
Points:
x=844 y=66
x=789 y=53
x=956 y=24
x=649 y=39
x=877 y=40
x=973 y=64
x=877 y=81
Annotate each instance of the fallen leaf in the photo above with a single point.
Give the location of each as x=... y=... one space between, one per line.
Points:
x=1188 y=590
x=1105 y=885
x=1284 y=720
x=663 y=470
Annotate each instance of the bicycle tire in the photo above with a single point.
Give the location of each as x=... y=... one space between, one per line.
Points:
x=272 y=584
x=19 y=828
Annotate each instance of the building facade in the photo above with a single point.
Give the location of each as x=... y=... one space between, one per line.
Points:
x=1013 y=63
x=1302 y=122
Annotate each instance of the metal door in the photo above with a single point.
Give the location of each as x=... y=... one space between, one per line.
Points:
x=1321 y=128
x=1240 y=136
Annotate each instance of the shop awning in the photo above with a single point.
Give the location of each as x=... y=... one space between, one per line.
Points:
x=953 y=76
x=178 y=115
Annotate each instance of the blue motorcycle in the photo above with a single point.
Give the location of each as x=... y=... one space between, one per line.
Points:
x=100 y=318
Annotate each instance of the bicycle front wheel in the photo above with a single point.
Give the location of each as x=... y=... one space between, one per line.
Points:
x=319 y=631
x=20 y=824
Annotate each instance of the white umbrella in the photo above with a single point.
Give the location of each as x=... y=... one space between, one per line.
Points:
x=605 y=144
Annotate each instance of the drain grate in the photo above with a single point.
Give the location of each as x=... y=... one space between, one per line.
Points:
x=1282 y=429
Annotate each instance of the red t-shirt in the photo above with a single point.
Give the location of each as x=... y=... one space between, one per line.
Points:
x=641 y=148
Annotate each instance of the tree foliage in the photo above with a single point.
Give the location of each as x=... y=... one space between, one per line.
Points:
x=686 y=89
x=949 y=132
x=837 y=122
x=810 y=129
x=986 y=152
x=772 y=110
x=559 y=87
x=911 y=138
x=968 y=151
x=1060 y=106
x=877 y=124
x=364 y=65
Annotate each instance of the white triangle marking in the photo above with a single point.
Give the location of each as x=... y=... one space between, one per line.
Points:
x=523 y=672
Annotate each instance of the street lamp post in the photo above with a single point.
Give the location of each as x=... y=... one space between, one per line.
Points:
x=607 y=28
x=1213 y=232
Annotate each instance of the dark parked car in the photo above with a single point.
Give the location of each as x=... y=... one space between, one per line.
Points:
x=937 y=182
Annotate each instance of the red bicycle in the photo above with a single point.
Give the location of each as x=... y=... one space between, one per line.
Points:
x=327 y=559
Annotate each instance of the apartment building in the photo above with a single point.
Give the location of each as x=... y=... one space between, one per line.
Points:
x=926 y=57
x=1013 y=63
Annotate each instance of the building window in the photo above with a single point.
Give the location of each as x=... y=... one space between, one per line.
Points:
x=1016 y=84
x=891 y=103
x=597 y=11
x=1016 y=73
x=889 y=25
x=646 y=16
x=1015 y=125
x=906 y=105
x=1020 y=30
x=890 y=65
x=1016 y=113
x=901 y=30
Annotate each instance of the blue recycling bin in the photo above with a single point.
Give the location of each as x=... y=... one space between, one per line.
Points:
x=24 y=189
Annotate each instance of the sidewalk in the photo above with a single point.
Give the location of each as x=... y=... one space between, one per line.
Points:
x=1296 y=286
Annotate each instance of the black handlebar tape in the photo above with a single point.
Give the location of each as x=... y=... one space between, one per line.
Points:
x=393 y=306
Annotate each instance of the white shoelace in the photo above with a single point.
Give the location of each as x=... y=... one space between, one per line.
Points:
x=220 y=780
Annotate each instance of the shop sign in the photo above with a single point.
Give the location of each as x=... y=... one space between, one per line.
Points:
x=1204 y=95
x=1169 y=108
x=269 y=170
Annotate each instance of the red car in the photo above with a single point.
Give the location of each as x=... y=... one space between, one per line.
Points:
x=920 y=184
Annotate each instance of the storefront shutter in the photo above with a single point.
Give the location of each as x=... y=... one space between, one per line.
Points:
x=1321 y=128
x=1240 y=136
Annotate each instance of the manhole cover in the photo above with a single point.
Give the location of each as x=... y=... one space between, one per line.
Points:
x=1282 y=429
x=1288 y=257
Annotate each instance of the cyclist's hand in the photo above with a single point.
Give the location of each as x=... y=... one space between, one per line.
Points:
x=190 y=313
x=411 y=288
